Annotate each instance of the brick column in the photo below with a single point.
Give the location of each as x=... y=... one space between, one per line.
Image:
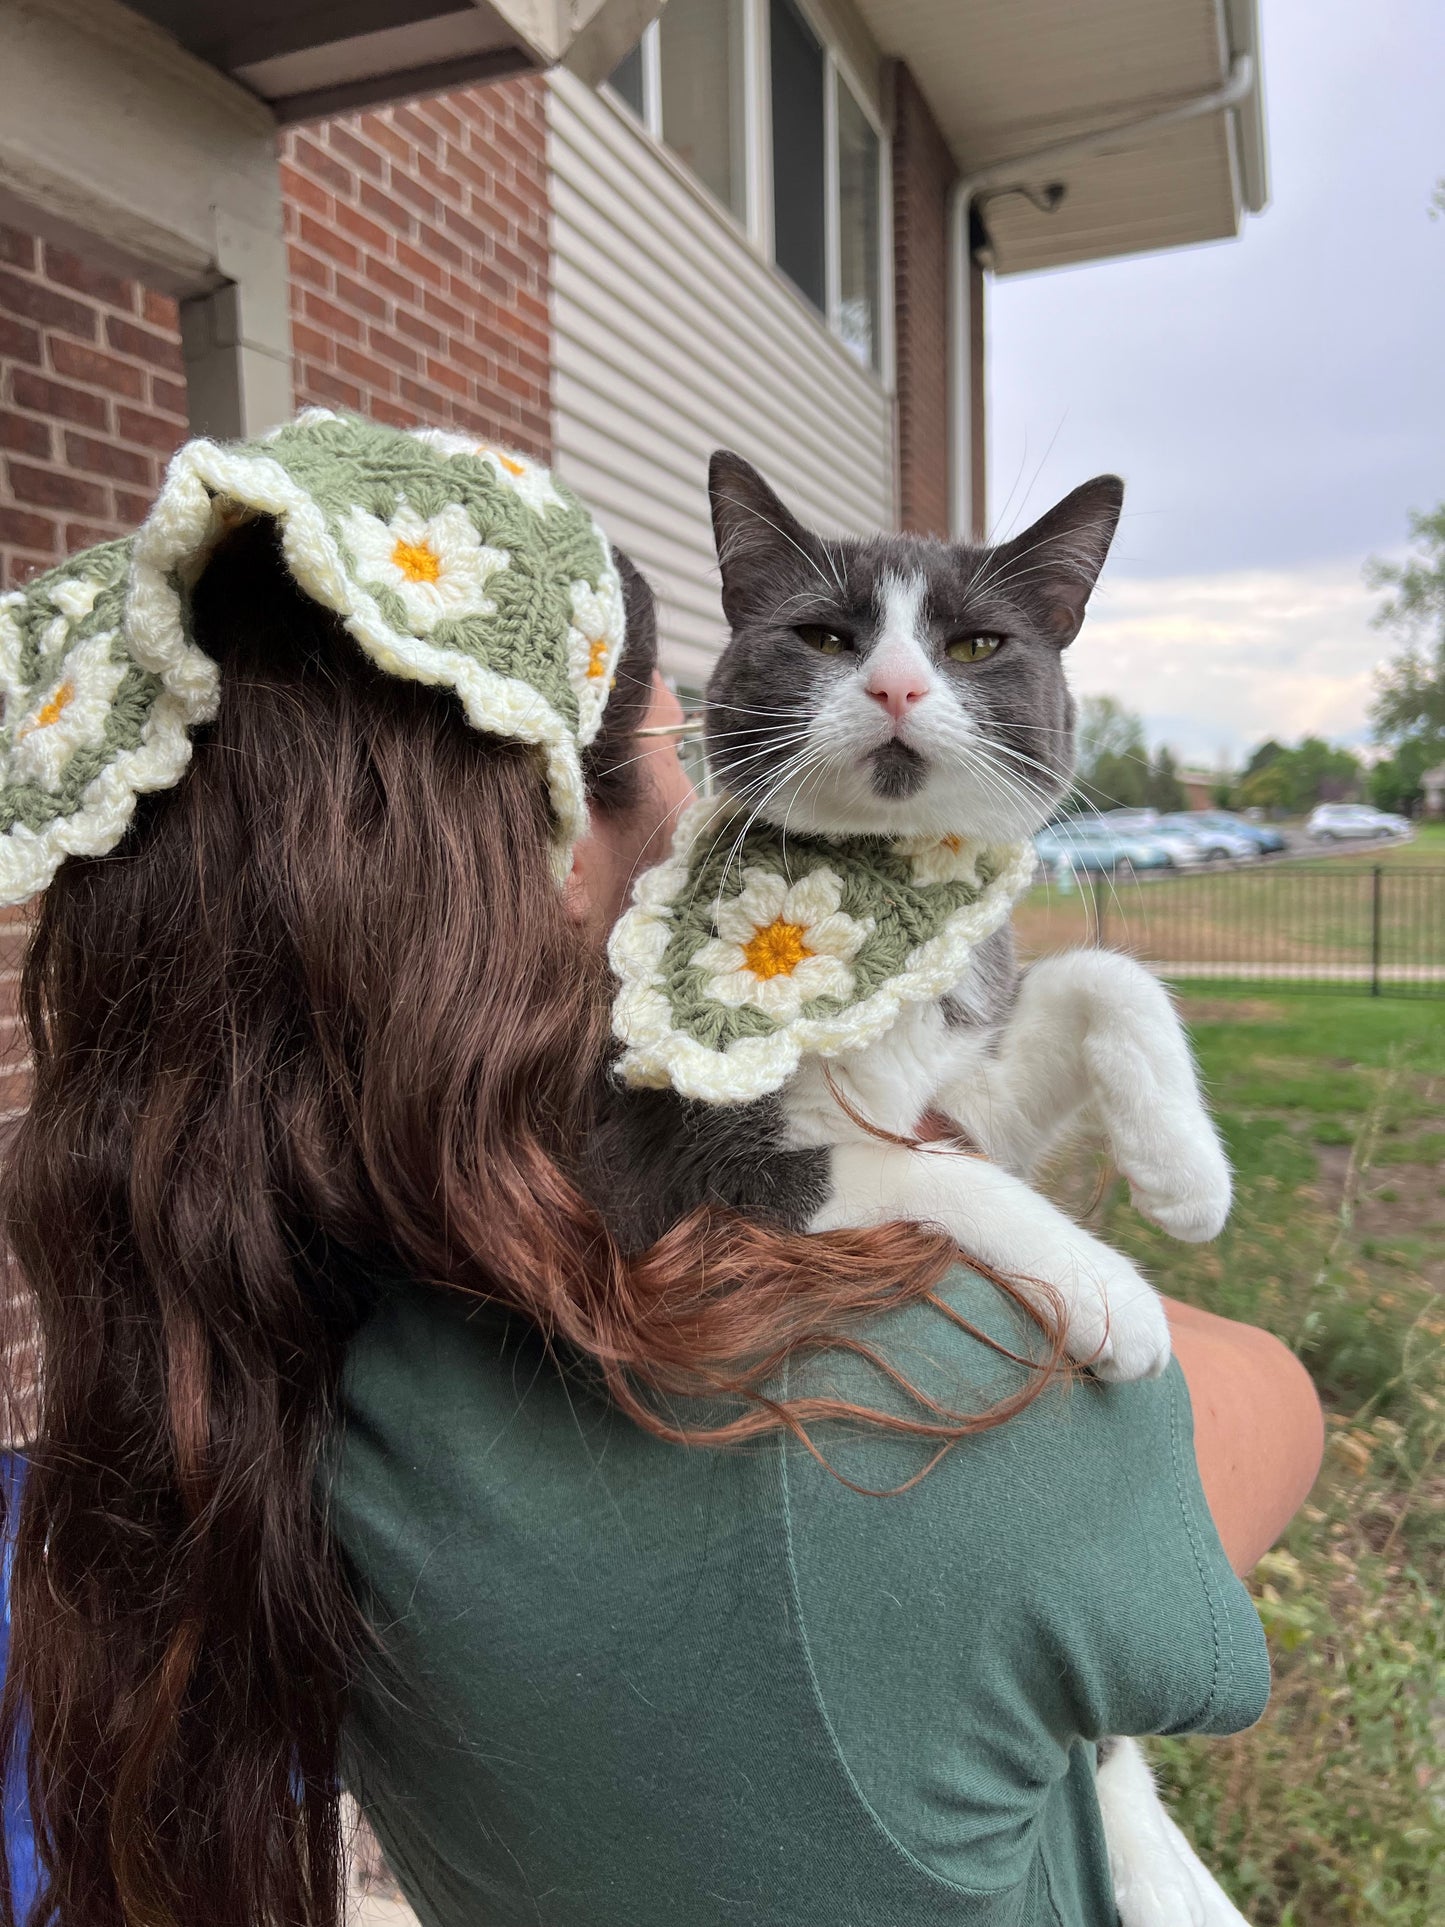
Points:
x=420 y=263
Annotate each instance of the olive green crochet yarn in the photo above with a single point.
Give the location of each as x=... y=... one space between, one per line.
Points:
x=449 y=561
x=751 y=946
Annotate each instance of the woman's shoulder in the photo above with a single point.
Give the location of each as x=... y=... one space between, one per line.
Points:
x=1052 y=1579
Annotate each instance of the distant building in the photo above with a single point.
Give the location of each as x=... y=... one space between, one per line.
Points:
x=1432 y=786
x=1199 y=786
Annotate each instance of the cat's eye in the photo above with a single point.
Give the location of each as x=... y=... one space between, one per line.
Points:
x=826 y=641
x=972 y=648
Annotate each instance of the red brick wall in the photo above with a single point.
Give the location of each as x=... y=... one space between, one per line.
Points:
x=92 y=403
x=419 y=263
x=923 y=172
x=419 y=293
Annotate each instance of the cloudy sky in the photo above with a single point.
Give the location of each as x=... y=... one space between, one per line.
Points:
x=1276 y=403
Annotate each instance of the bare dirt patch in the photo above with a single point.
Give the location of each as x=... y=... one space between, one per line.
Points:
x=1230 y=1010
x=1392 y=1202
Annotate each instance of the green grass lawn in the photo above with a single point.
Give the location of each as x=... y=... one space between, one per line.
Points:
x=1331 y=1813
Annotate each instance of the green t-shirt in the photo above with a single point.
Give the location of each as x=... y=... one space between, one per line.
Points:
x=631 y=1684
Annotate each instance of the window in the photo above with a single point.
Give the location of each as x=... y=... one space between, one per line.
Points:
x=700 y=45
x=747 y=93
x=800 y=192
x=626 y=78
x=858 y=228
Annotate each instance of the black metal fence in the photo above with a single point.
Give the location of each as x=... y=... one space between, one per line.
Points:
x=1378 y=929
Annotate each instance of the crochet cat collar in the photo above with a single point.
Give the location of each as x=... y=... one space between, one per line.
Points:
x=450 y=562
x=749 y=948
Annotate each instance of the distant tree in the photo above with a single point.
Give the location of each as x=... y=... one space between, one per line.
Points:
x=1113 y=759
x=1294 y=780
x=1266 y=788
x=1323 y=773
x=1162 y=787
x=1394 y=782
x=1408 y=712
x=1268 y=752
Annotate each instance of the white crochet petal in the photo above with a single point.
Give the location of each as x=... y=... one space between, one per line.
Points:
x=719 y=954
x=838 y=936
x=812 y=898
x=757 y=904
x=821 y=976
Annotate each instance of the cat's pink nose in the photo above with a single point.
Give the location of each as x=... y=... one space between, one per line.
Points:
x=897 y=689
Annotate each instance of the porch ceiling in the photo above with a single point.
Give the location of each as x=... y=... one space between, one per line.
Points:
x=307 y=58
x=1007 y=77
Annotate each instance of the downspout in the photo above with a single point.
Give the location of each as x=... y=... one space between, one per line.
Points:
x=1025 y=170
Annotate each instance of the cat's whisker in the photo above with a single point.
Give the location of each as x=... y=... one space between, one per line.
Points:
x=993 y=539
x=985 y=576
x=791 y=770
x=737 y=502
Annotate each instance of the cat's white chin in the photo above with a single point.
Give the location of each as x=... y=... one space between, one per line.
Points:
x=846 y=805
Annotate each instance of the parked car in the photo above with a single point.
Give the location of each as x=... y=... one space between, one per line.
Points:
x=1214 y=839
x=1129 y=822
x=1089 y=849
x=1184 y=848
x=1265 y=840
x=1336 y=822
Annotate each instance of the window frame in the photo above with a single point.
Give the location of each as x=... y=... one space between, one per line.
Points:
x=756 y=222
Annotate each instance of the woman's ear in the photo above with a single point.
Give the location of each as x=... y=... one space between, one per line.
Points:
x=577 y=891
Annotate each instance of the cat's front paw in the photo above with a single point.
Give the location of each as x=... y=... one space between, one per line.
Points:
x=1116 y=1322
x=1189 y=1197
x=1137 y=1344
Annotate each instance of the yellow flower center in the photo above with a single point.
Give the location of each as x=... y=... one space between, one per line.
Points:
x=51 y=712
x=776 y=950
x=597 y=658
x=418 y=561
x=512 y=468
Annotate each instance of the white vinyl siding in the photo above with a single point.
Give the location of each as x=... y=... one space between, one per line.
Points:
x=672 y=338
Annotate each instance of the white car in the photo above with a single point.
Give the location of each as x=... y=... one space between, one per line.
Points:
x=1335 y=822
x=1214 y=839
x=1184 y=850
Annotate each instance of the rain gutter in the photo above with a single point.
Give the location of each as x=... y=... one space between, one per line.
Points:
x=1027 y=170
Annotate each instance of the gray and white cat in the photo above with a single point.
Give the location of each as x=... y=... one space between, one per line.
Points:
x=902 y=687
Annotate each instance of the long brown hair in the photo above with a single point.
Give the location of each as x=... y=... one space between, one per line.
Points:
x=321 y=1016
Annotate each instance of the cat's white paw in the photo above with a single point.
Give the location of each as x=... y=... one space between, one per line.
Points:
x=1174 y=1892
x=1189 y=1197
x=1159 y=1880
x=1116 y=1321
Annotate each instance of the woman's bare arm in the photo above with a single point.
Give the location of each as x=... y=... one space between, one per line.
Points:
x=1258 y=1429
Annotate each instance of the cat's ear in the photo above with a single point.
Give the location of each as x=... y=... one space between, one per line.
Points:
x=1057 y=562
x=756 y=536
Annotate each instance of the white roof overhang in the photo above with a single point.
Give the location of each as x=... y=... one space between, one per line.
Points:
x=1054 y=79
x=310 y=58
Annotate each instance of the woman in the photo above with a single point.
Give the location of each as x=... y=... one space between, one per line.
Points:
x=364 y=1452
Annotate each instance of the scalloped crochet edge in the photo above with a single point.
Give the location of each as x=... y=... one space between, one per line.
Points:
x=658 y=1055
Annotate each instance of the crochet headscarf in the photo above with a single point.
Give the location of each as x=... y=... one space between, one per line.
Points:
x=449 y=561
